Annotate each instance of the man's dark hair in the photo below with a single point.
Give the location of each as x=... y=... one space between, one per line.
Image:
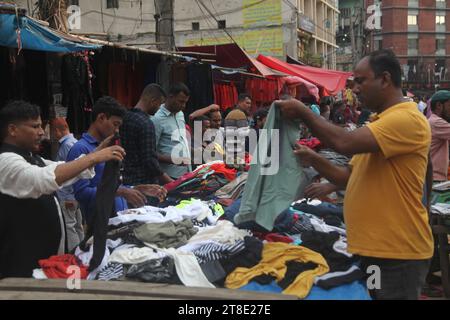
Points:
x=338 y=104
x=325 y=101
x=109 y=106
x=334 y=110
x=244 y=96
x=154 y=91
x=214 y=111
x=385 y=60
x=177 y=88
x=17 y=111
x=260 y=114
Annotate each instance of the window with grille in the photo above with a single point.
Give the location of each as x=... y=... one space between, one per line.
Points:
x=412 y=20
x=440 y=20
x=413 y=44
x=440 y=44
x=112 y=4
x=221 y=24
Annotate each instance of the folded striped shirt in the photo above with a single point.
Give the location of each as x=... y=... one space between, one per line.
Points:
x=112 y=271
x=214 y=251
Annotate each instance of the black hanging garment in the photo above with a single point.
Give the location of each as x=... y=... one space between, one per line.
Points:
x=105 y=208
x=200 y=83
x=30 y=229
x=77 y=92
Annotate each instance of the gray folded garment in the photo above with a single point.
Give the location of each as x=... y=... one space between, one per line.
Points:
x=213 y=271
x=166 y=235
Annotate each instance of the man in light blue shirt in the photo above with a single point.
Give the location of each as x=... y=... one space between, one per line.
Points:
x=69 y=206
x=170 y=130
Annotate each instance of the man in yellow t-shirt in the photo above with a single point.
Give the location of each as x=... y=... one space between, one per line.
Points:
x=387 y=224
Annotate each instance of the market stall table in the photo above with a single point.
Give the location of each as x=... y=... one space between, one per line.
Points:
x=26 y=289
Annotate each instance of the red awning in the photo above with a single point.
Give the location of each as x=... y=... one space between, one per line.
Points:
x=310 y=88
x=330 y=80
x=264 y=70
x=230 y=56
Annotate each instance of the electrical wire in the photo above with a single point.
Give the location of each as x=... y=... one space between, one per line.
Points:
x=212 y=15
x=228 y=11
x=206 y=18
x=103 y=21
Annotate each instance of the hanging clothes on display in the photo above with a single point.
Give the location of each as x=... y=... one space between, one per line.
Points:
x=262 y=91
x=178 y=72
x=268 y=193
x=199 y=81
x=163 y=73
x=225 y=95
x=126 y=82
x=76 y=78
x=13 y=78
x=16 y=82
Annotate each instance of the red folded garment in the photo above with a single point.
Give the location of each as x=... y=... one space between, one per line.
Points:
x=312 y=143
x=172 y=185
x=272 y=237
x=226 y=202
x=275 y=237
x=229 y=174
x=56 y=267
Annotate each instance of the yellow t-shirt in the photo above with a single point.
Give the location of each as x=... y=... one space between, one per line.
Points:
x=383 y=207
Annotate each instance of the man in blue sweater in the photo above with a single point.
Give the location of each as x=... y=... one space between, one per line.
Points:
x=108 y=115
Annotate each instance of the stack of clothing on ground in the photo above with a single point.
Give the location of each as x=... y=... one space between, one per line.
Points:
x=325 y=271
x=186 y=244
x=192 y=244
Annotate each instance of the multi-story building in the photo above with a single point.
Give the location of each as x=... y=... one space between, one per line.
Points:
x=302 y=29
x=418 y=31
x=267 y=27
x=317 y=24
x=350 y=36
x=114 y=20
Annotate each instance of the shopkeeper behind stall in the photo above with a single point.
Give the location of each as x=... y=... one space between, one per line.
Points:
x=31 y=222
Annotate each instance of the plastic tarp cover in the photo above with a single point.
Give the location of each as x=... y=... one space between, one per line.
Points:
x=34 y=36
x=332 y=81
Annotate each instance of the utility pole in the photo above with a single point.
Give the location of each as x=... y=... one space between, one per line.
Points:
x=352 y=38
x=164 y=31
x=356 y=34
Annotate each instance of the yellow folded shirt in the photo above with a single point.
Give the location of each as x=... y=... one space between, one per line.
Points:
x=274 y=258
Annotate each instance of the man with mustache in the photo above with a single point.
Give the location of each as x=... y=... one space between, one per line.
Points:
x=387 y=223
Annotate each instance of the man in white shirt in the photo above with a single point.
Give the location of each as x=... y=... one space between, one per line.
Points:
x=31 y=222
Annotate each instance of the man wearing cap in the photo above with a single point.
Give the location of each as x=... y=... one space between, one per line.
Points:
x=440 y=134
